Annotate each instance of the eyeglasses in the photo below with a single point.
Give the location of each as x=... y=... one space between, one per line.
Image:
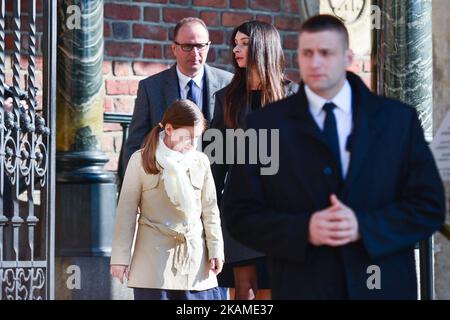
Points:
x=187 y=47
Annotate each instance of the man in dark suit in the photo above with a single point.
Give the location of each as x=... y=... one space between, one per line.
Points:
x=190 y=78
x=357 y=185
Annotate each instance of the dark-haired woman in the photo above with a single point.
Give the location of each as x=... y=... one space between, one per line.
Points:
x=259 y=79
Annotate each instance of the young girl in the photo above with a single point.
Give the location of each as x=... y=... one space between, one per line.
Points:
x=259 y=79
x=179 y=247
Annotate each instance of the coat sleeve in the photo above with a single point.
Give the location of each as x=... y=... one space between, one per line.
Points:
x=126 y=212
x=251 y=219
x=211 y=216
x=139 y=127
x=420 y=209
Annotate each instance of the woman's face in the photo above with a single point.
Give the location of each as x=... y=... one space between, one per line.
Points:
x=183 y=139
x=240 y=50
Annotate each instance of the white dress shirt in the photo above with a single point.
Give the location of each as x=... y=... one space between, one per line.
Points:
x=184 y=88
x=343 y=114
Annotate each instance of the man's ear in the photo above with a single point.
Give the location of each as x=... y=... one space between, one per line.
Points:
x=349 y=56
x=174 y=46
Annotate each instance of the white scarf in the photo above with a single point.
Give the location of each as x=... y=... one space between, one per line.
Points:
x=174 y=174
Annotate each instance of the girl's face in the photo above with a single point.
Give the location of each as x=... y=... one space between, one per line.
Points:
x=240 y=50
x=183 y=139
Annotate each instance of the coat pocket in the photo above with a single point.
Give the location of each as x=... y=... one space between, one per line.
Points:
x=197 y=175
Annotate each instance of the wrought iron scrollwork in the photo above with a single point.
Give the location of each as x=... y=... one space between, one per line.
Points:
x=24 y=140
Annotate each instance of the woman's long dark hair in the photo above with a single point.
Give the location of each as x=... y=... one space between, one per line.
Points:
x=182 y=113
x=265 y=56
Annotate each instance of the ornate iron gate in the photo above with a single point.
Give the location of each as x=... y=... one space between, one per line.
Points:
x=27 y=159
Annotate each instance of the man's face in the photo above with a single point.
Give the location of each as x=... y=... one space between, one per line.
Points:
x=191 y=62
x=323 y=59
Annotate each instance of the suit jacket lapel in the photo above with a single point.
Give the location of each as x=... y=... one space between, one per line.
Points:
x=171 y=89
x=212 y=86
x=307 y=124
x=365 y=130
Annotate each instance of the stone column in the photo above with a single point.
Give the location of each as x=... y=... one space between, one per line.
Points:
x=404 y=70
x=85 y=192
x=441 y=99
x=403 y=61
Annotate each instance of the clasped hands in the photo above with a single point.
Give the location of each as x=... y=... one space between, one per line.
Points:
x=334 y=226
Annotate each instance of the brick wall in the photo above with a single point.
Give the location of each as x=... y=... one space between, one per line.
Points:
x=24 y=45
x=138 y=36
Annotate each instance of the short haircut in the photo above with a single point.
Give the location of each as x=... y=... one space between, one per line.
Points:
x=326 y=22
x=186 y=21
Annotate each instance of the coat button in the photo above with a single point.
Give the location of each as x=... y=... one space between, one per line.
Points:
x=328 y=171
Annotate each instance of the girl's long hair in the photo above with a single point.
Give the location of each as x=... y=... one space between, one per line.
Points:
x=265 y=56
x=182 y=113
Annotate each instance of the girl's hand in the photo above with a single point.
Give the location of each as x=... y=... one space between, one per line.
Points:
x=119 y=271
x=216 y=265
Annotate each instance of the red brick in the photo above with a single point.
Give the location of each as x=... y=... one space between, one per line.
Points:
x=168 y=52
x=224 y=57
x=123 y=49
x=108 y=105
x=286 y=23
x=181 y=2
x=295 y=60
x=216 y=37
x=230 y=19
x=290 y=42
x=148 y=68
x=293 y=75
x=145 y=31
x=152 y=51
x=124 y=104
x=151 y=1
x=264 y=18
x=290 y=6
x=106 y=29
x=211 y=18
x=116 y=87
x=267 y=5
x=288 y=59
x=122 y=12
x=175 y=14
x=122 y=69
x=112 y=127
x=107 y=67
x=133 y=87
x=211 y=56
x=151 y=14
x=107 y=142
x=238 y=4
x=24 y=6
x=210 y=3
